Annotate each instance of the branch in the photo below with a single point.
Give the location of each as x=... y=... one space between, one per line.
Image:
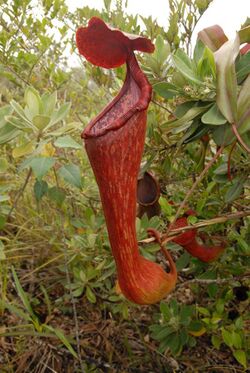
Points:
x=204 y=223
x=20 y=193
x=213 y=281
x=163 y=107
x=197 y=181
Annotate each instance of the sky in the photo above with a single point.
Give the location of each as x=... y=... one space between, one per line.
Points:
x=229 y=14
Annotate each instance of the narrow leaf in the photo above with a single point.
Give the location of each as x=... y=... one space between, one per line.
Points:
x=243 y=105
x=185 y=67
x=23 y=295
x=67 y=142
x=59 y=114
x=22 y=150
x=226 y=79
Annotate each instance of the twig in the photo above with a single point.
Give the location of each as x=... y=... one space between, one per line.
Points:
x=219 y=219
x=163 y=107
x=229 y=176
x=20 y=193
x=197 y=181
x=73 y=302
x=239 y=138
x=213 y=281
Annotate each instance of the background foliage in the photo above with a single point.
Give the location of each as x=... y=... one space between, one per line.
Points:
x=59 y=304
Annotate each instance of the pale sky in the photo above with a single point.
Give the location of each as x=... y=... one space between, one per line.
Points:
x=229 y=14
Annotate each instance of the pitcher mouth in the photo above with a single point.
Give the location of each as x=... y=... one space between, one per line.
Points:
x=107 y=47
x=133 y=97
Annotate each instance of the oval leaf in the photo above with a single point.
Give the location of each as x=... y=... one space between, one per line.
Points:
x=213 y=116
x=71 y=174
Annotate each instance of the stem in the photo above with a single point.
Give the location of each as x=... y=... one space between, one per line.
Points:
x=20 y=193
x=163 y=107
x=198 y=180
x=73 y=302
x=204 y=223
x=229 y=161
x=235 y=130
x=214 y=281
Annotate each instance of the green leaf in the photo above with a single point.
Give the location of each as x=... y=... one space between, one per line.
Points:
x=162 y=49
x=59 y=114
x=4 y=198
x=242 y=67
x=17 y=122
x=174 y=343
x=2 y=221
x=186 y=313
x=195 y=326
x=22 y=150
x=244 y=34
x=71 y=174
x=165 y=342
x=41 y=165
x=4 y=165
x=183 y=336
x=165 y=90
x=206 y=65
x=40 y=189
x=198 y=50
x=23 y=296
x=4 y=111
x=237 y=341
x=15 y=310
x=33 y=101
x=182 y=261
x=235 y=190
x=19 y=110
x=166 y=207
x=223 y=135
x=49 y=103
x=177 y=125
x=2 y=253
x=67 y=128
x=57 y=195
x=226 y=79
x=243 y=105
x=227 y=337
x=63 y=339
x=213 y=116
x=90 y=295
x=195 y=132
x=163 y=332
x=184 y=65
x=240 y=356
x=216 y=341
x=212 y=290
x=41 y=121
x=8 y=133
x=67 y=142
